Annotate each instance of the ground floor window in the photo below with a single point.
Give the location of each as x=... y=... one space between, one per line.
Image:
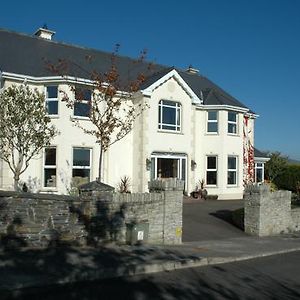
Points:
x=168 y=166
x=211 y=170
x=232 y=170
x=50 y=167
x=82 y=164
x=259 y=172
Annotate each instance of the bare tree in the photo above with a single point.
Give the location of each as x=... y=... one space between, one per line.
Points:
x=24 y=127
x=112 y=108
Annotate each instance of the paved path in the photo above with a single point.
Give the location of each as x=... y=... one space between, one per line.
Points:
x=210 y=220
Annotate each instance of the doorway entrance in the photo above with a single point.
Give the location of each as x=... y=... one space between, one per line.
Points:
x=168 y=165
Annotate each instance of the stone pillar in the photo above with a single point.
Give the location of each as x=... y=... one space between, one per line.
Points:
x=172 y=190
x=266 y=213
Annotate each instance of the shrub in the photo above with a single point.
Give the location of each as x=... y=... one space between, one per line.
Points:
x=289 y=179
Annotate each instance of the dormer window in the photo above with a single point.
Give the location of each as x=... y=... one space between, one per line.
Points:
x=83 y=98
x=169 y=115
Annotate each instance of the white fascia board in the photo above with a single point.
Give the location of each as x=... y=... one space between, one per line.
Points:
x=148 y=91
x=55 y=79
x=261 y=159
x=224 y=107
x=46 y=79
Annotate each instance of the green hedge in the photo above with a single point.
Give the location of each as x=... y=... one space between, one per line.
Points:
x=289 y=178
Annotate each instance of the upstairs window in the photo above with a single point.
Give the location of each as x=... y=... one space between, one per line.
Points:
x=232 y=122
x=52 y=99
x=83 y=99
x=212 y=122
x=169 y=115
x=50 y=167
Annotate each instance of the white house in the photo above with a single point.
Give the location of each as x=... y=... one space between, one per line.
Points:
x=192 y=130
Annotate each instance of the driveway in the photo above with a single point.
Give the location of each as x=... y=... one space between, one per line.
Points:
x=210 y=220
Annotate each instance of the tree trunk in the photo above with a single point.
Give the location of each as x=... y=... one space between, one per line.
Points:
x=100 y=165
x=16 y=181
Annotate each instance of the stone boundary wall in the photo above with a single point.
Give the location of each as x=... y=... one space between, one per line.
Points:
x=269 y=213
x=100 y=217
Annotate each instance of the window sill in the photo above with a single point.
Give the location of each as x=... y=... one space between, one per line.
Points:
x=233 y=134
x=80 y=118
x=211 y=186
x=169 y=131
x=212 y=133
x=53 y=116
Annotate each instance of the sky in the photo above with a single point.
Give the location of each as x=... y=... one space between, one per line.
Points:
x=250 y=48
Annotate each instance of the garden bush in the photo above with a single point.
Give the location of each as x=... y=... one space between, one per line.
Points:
x=289 y=179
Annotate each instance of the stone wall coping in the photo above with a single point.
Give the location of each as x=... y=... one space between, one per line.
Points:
x=42 y=196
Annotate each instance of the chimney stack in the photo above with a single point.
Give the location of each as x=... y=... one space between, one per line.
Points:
x=44 y=33
x=192 y=70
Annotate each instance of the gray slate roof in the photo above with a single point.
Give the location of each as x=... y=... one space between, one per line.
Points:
x=258 y=153
x=27 y=55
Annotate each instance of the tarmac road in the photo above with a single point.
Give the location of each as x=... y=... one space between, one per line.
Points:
x=274 y=277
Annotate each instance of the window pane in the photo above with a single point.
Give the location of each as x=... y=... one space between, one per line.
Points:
x=212 y=115
x=211 y=162
x=232 y=116
x=81 y=109
x=178 y=116
x=84 y=173
x=231 y=177
x=159 y=114
x=232 y=163
x=212 y=127
x=52 y=91
x=81 y=157
x=211 y=177
x=169 y=103
x=169 y=115
x=50 y=157
x=83 y=94
x=50 y=178
x=232 y=128
x=52 y=107
x=168 y=127
x=259 y=165
x=259 y=175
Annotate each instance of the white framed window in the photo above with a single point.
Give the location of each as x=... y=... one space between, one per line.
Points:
x=211 y=170
x=232 y=167
x=83 y=97
x=212 y=121
x=49 y=167
x=51 y=99
x=259 y=172
x=82 y=163
x=169 y=115
x=232 y=122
